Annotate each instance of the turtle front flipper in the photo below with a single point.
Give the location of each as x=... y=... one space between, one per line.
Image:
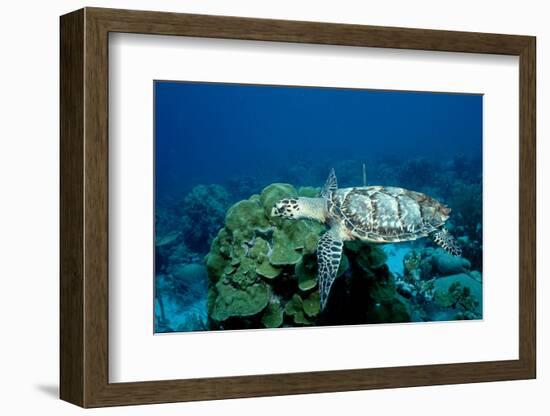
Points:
x=329 y=254
x=446 y=241
x=331 y=185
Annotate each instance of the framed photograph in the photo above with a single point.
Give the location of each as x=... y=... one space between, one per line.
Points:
x=255 y=207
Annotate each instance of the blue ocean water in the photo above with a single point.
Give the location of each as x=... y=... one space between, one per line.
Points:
x=217 y=144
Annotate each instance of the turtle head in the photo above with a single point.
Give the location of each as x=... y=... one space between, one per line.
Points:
x=287 y=208
x=297 y=208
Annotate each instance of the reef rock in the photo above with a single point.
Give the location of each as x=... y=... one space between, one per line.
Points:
x=460 y=292
x=445 y=264
x=429 y=262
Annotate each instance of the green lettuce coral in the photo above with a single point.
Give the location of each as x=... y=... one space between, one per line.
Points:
x=272 y=316
x=237 y=302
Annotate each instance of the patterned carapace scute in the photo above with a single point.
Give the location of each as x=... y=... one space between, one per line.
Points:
x=386 y=214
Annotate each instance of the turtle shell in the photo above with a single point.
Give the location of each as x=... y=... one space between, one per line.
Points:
x=385 y=214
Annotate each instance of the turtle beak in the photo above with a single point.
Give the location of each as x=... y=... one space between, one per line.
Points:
x=277 y=210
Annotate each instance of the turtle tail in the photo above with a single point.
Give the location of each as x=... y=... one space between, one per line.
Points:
x=447 y=242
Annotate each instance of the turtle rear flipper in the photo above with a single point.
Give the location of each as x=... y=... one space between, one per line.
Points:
x=329 y=254
x=447 y=242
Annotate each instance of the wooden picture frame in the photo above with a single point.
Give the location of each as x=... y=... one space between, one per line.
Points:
x=84 y=207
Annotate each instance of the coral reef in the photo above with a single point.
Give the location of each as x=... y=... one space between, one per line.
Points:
x=180 y=278
x=417 y=174
x=179 y=294
x=262 y=272
x=430 y=262
x=461 y=293
x=183 y=230
x=440 y=286
x=466 y=202
x=202 y=213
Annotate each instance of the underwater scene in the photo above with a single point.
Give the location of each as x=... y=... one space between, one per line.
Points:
x=289 y=206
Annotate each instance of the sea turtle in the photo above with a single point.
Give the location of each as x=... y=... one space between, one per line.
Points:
x=374 y=214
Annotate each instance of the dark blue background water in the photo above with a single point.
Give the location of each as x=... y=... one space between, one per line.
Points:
x=205 y=132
